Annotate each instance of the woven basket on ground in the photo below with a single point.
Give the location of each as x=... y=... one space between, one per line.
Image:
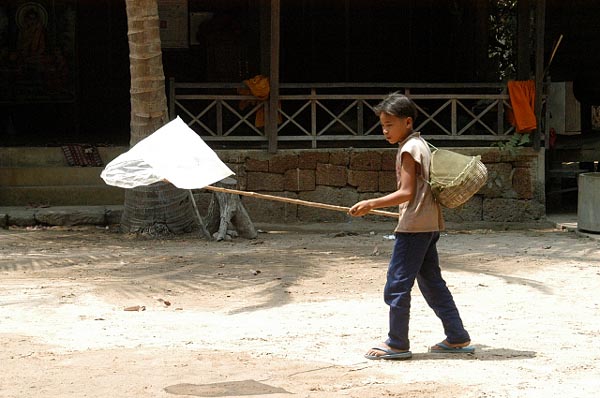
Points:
x=455 y=178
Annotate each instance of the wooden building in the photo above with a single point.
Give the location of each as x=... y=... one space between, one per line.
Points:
x=75 y=89
x=64 y=69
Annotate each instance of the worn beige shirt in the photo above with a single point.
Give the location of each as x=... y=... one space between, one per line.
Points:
x=423 y=212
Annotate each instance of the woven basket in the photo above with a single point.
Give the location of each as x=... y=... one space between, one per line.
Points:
x=455 y=189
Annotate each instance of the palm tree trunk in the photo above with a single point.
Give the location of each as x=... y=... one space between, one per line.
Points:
x=161 y=207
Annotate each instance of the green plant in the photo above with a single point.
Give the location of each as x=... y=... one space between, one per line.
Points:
x=517 y=140
x=502 y=37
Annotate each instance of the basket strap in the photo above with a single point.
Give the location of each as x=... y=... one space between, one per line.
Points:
x=431 y=145
x=435 y=149
x=423 y=178
x=427 y=182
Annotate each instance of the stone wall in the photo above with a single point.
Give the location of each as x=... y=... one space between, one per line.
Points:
x=514 y=191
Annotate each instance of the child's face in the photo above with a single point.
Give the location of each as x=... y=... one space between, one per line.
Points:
x=395 y=129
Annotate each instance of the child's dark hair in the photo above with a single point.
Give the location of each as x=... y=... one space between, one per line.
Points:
x=398 y=105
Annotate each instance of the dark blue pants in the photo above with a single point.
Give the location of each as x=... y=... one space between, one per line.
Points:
x=415 y=257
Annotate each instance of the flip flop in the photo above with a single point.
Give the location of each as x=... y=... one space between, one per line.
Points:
x=442 y=348
x=389 y=354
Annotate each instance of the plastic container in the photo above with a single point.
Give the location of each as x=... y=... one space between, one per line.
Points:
x=588 y=202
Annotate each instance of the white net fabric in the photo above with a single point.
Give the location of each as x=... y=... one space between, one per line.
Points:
x=174 y=153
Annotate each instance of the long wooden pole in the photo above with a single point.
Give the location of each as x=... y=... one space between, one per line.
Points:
x=296 y=201
x=200 y=220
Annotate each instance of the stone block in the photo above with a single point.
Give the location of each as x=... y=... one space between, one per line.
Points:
x=309 y=160
x=270 y=211
x=257 y=181
x=522 y=183
x=331 y=175
x=499 y=182
x=282 y=163
x=329 y=195
x=388 y=160
x=525 y=154
x=21 y=217
x=369 y=160
x=231 y=157
x=491 y=156
x=512 y=210
x=238 y=169
x=528 y=165
x=470 y=211
x=367 y=195
x=241 y=179
x=500 y=155
x=113 y=214
x=387 y=181
x=71 y=215
x=257 y=165
x=339 y=158
x=364 y=181
x=299 y=180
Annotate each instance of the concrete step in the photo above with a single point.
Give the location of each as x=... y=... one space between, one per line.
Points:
x=33 y=176
x=61 y=195
x=60 y=215
x=48 y=156
x=45 y=176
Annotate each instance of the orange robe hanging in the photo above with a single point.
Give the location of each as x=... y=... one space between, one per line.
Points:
x=259 y=87
x=522 y=99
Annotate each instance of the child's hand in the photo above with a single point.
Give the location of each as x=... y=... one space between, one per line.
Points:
x=361 y=208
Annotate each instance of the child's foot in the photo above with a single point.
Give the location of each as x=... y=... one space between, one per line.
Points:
x=384 y=351
x=444 y=346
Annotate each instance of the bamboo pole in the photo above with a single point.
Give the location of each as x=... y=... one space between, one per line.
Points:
x=296 y=201
x=200 y=220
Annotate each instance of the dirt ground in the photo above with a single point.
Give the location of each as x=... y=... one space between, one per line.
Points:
x=290 y=314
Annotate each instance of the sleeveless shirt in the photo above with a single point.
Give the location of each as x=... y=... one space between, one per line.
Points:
x=423 y=213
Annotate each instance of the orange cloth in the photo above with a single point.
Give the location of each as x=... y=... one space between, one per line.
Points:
x=259 y=87
x=522 y=99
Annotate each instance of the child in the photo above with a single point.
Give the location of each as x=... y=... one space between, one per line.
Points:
x=415 y=254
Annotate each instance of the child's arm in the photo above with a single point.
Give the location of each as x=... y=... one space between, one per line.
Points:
x=406 y=192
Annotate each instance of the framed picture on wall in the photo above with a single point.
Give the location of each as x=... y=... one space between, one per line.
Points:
x=37 y=51
x=596 y=117
x=173 y=16
x=197 y=19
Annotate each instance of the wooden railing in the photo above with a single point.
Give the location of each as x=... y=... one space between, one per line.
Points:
x=320 y=114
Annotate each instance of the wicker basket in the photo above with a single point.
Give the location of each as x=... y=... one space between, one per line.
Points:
x=455 y=188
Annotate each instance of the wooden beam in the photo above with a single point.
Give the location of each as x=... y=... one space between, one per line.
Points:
x=523 y=46
x=265 y=30
x=271 y=127
x=540 y=26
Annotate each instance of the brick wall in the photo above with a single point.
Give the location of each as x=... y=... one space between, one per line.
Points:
x=514 y=191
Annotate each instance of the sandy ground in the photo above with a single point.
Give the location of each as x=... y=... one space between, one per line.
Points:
x=290 y=314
